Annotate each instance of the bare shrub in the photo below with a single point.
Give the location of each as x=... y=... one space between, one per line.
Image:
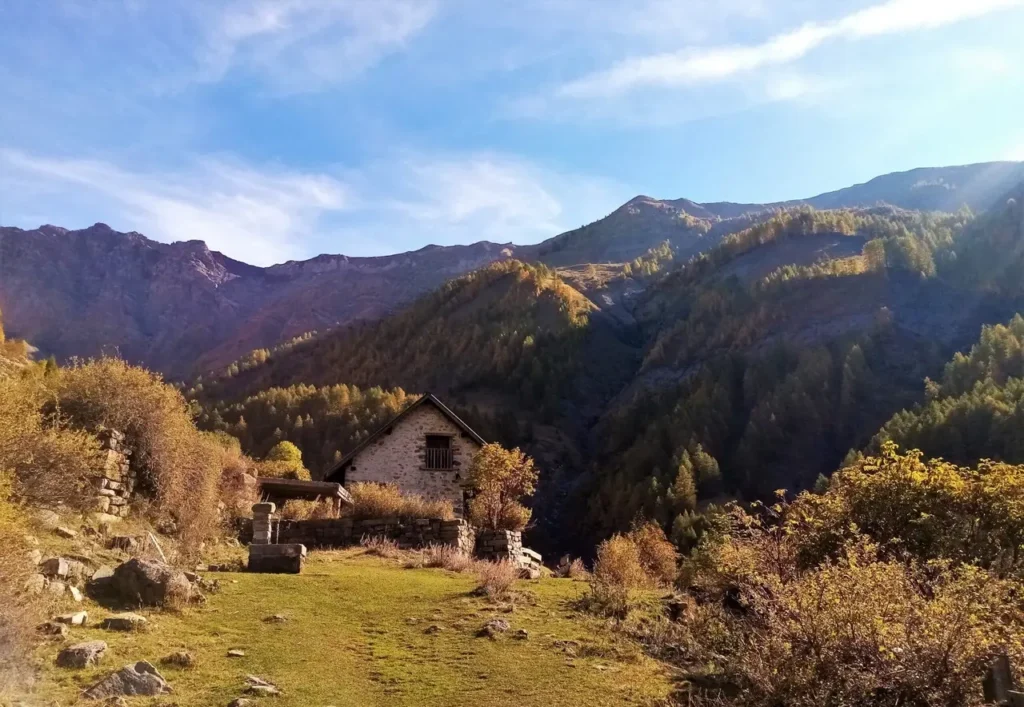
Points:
x=380 y=546
x=618 y=574
x=175 y=463
x=387 y=500
x=496 y=579
x=297 y=509
x=658 y=556
x=577 y=570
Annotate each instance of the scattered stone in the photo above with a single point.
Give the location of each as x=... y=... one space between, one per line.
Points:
x=65 y=532
x=104 y=521
x=179 y=659
x=432 y=629
x=241 y=702
x=522 y=634
x=494 y=627
x=35 y=584
x=138 y=679
x=570 y=648
x=276 y=619
x=260 y=687
x=55 y=567
x=76 y=593
x=53 y=629
x=126 y=543
x=34 y=556
x=47 y=519
x=57 y=588
x=116 y=702
x=81 y=655
x=124 y=622
x=150 y=583
x=79 y=618
x=236 y=653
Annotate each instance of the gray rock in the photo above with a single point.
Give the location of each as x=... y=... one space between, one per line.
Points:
x=79 y=618
x=56 y=587
x=494 y=627
x=127 y=543
x=276 y=619
x=241 y=702
x=65 y=532
x=81 y=655
x=149 y=583
x=104 y=572
x=47 y=519
x=35 y=584
x=138 y=679
x=125 y=622
x=76 y=593
x=34 y=556
x=55 y=567
x=261 y=688
x=54 y=629
x=522 y=634
x=236 y=653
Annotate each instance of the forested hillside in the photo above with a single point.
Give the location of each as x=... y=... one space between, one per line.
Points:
x=653 y=387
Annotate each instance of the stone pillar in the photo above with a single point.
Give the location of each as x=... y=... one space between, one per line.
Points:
x=263 y=523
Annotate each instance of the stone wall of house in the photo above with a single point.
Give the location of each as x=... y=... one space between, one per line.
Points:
x=398 y=457
x=114 y=488
x=345 y=532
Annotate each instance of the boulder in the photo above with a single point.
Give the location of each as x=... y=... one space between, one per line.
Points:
x=81 y=655
x=522 y=634
x=139 y=678
x=104 y=572
x=65 y=532
x=76 y=593
x=34 y=556
x=56 y=587
x=79 y=618
x=124 y=622
x=149 y=583
x=55 y=567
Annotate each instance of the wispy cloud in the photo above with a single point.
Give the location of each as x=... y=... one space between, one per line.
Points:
x=309 y=44
x=261 y=217
x=692 y=67
x=265 y=215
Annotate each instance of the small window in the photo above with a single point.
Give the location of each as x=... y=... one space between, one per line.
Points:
x=439 y=452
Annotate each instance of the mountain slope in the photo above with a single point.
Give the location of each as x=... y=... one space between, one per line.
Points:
x=180 y=307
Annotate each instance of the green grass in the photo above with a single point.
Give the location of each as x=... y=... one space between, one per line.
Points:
x=355 y=635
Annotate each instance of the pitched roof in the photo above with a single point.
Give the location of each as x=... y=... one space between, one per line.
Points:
x=295 y=488
x=428 y=398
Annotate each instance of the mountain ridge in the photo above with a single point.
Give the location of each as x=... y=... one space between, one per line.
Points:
x=181 y=307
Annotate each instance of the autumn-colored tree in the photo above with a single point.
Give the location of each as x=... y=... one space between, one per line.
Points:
x=501 y=478
x=284 y=461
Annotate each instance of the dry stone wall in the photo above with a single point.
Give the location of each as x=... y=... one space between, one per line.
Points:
x=344 y=532
x=115 y=487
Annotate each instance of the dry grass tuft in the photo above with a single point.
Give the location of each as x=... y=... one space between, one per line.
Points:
x=297 y=509
x=380 y=546
x=496 y=579
x=386 y=501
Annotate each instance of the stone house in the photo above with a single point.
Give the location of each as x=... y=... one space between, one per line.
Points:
x=425 y=450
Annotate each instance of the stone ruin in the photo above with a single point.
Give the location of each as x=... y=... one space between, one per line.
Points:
x=115 y=487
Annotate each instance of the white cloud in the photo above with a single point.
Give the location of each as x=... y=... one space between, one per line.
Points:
x=715 y=64
x=258 y=217
x=271 y=214
x=309 y=44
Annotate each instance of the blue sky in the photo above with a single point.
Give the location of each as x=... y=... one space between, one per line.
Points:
x=280 y=129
